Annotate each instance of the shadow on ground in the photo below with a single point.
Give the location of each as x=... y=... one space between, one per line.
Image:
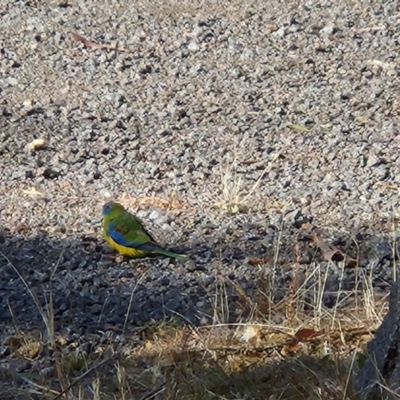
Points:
x=91 y=289
x=86 y=288
x=98 y=304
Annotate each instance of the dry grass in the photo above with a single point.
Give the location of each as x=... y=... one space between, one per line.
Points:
x=312 y=353
x=290 y=347
x=234 y=193
x=230 y=362
x=171 y=202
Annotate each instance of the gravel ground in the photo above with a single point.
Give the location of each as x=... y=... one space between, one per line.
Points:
x=233 y=130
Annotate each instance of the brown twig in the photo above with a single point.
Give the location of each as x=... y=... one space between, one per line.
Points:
x=94 y=45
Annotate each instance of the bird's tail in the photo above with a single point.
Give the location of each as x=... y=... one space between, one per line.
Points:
x=170 y=254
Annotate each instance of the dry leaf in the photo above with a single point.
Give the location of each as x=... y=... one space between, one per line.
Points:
x=94 y=45
x=301 y=336
x=253 y=261
x=23 y=346
x=332 y=253
x=306 y=333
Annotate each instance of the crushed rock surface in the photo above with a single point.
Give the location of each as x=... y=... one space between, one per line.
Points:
x=230 y=128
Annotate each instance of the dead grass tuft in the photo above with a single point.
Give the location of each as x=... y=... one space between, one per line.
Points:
x=171 y=203
x=234 y=193
x=314 y=352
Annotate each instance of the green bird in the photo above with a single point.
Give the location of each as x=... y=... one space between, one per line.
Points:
x=126 y=234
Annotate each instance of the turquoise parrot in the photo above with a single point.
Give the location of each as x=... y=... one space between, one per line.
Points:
x=126 y=234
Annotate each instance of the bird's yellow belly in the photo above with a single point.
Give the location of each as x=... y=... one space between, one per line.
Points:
x=127 y=251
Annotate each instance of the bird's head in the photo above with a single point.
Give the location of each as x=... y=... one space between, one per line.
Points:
x=111 y=208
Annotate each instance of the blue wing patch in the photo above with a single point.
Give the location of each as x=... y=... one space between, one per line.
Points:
x=119 y=238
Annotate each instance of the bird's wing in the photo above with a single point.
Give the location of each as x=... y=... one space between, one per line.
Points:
x=138 y=224
x=128 y=234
